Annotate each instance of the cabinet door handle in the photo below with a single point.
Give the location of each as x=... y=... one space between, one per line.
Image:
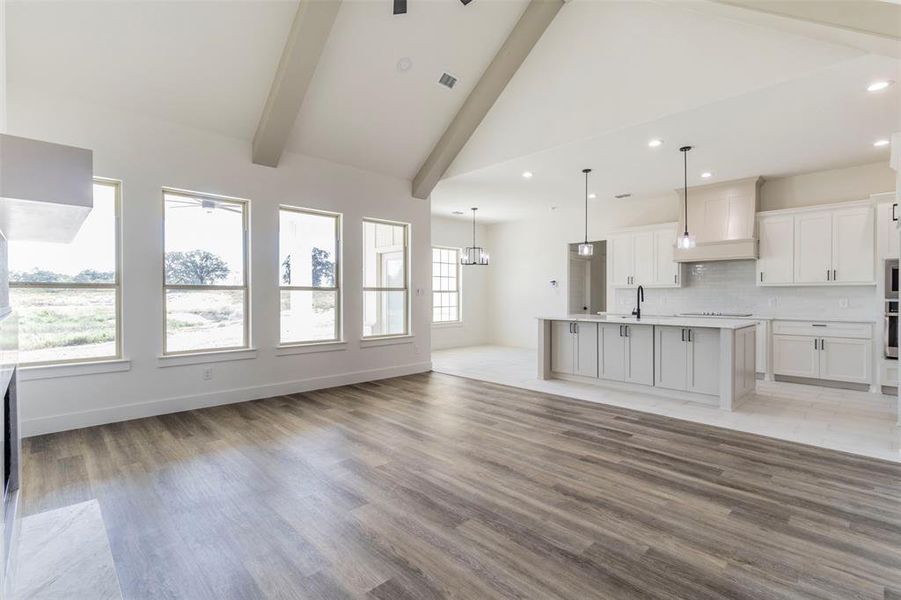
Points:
x=627 y=330
x=689 y=335
x=575 y=328
x=828 y=274
x=894 y=216
x=822 y=344
x=761 y=277
x=683 y=335
x=834 y=274
x=620 y=331
x=815 y=344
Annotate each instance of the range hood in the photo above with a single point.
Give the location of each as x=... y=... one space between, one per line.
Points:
x=46 y=189
x=723 y=219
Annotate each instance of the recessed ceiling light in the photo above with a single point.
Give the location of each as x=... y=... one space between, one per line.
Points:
x=592 y=196
x=655 y=143
x=404 y=64
x=706 y=175
x=881 y=143
x=878 y=86
x=527 y=174
x=621 y=196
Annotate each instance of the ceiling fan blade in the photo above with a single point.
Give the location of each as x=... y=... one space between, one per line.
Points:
x=400 y=7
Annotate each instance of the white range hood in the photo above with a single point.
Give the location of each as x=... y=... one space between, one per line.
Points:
x=46 y=189
x=723 y=219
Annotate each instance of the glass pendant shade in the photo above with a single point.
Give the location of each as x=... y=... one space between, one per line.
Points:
x=686 y=241
x=586 y=249
x=474 y=255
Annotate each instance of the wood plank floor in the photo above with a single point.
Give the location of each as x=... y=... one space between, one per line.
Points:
x=433 y=486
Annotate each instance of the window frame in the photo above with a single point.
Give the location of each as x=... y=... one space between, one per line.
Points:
x=337 y=288
x=406 y=287
x=116 y=285
x=458 y=291
x=245 y=218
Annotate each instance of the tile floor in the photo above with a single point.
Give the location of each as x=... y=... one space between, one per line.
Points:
x=858 y=422
x=64 y=554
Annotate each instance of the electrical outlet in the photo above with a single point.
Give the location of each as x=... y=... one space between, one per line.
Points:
x=843 y=303
x=415 y=348
x=207 y=374
x=772 y=302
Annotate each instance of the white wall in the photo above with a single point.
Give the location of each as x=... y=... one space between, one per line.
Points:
x=457 y=233
x=146 y=154
x=527 y=254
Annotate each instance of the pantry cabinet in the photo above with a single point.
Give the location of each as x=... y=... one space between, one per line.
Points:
x=643 y=257
x=835 y=245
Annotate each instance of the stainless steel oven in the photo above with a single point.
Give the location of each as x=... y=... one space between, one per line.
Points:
x=891 y=279
x=891 y=328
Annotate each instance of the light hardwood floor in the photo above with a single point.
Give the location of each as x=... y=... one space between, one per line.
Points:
x=433 y=486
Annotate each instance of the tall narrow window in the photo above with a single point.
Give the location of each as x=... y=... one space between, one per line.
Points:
x=309 y=276
x=206 y=295
x=445 y=285
x=67 y=295
x=385 y=278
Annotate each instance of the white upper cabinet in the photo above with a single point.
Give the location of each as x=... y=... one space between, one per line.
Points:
x=853 y=245
x=643 y=257
x=777 y=249
x=813 y=247
x=887 y=214
x=833 y=245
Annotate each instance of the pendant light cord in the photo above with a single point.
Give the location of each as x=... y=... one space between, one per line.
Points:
x=474 y=227
x=586 y=207
x=685 y=150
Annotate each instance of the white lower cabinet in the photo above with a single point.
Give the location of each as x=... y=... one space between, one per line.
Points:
x=626 y=353
x=799 y=351
x=687 y=359
x=574 y=348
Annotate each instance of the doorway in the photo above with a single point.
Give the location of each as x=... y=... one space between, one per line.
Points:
x=587 y=280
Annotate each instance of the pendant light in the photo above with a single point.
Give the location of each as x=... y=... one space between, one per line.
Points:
x=586 y=249
x=474 y=255
x=686 y=240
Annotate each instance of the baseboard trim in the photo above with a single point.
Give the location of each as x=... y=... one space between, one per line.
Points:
x=152 y=408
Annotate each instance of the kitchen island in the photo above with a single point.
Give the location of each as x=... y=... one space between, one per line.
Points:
x=711 y=361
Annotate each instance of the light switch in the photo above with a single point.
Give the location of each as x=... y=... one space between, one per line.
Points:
x=843 y=303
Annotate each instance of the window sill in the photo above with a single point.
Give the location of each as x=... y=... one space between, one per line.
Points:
x=447 y=324
x=199 y=358
x=73 y=369
x=389 y=340
x=310 y=348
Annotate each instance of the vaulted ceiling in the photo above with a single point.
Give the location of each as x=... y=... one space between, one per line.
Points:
x=603 y=79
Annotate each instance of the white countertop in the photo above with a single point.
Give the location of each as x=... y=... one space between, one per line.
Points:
x=712 y=322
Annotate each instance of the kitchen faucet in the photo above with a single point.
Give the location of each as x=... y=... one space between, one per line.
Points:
x=639 y=298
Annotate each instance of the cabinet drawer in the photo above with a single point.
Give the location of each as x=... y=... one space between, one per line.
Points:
x=824 y=329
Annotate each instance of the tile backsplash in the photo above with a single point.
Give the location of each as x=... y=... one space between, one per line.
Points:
x=729 y=286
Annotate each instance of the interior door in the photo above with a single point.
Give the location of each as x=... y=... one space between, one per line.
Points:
x=813 y=247
x=671 y=358
x=620 y=260
x=853 y=245
x=587 y=349
x=844 y=359
x=667 y=270
x=796 y=355
x=563 y=351
x=644 y=257
x=579 y=285
x=612 y=359
x=704 y=360
x=640 y=354
x=777 y=255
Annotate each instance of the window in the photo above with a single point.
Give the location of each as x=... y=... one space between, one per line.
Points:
x=309 y=266
x=445 y=285
x=385 y=267
x=67 y=295
x=205 y=273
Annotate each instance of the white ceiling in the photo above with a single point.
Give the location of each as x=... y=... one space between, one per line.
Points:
x=608 y=76
x=360 y=110
x=204 y=64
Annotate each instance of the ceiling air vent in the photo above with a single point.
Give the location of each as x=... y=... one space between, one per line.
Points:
x=621 y=196
x=448 y=80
